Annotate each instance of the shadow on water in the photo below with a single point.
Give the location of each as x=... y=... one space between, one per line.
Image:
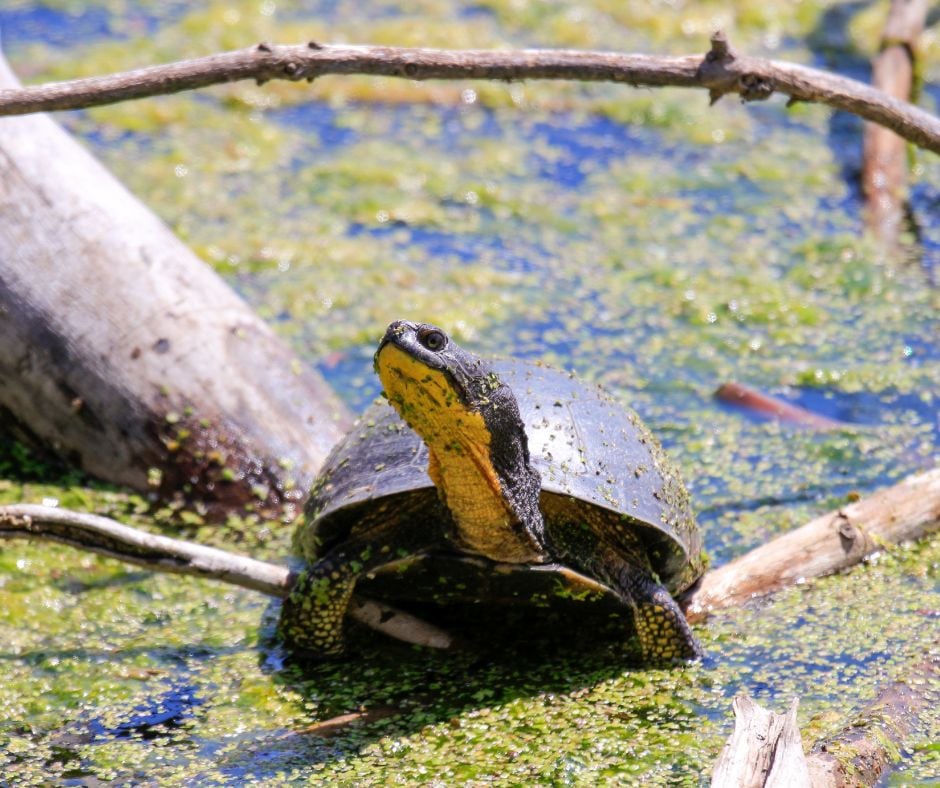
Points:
x=380 y=690
x=386 y=690
x=834 y=50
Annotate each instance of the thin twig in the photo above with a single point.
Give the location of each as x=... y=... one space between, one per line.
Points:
x=162 y=554
x=110 y=538
x=908 y=510
x=721 y=71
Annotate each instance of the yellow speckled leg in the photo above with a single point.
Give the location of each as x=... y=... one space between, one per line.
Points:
x=664 y=634
x=312 y=616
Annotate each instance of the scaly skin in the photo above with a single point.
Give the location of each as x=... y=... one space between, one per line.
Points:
x=664 y=634
x=661 y=628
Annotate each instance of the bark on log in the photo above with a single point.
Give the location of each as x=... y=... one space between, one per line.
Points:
x=871 y=743
x=764 y=751
x=884 y=158
x=834 y=541
x=721 y=71
x=765 y=748
x=130 y=357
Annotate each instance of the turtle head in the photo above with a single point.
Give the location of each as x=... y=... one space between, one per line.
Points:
x=477 y=444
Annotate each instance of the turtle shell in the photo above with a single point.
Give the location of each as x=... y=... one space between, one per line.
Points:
x=587 y=447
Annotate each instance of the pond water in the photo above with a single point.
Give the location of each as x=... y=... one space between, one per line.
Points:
x=641 y=238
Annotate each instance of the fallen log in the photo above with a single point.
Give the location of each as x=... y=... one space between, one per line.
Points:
x=128 y=356
x=908 y=510
x=884 y=153
x=866 y=748
x=721 y=71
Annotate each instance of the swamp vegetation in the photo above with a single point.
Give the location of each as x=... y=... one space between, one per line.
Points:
x=641 y=238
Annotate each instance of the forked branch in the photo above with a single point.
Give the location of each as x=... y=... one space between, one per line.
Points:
x=720 y=71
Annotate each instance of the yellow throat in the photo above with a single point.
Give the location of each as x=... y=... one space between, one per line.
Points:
x=460 y=464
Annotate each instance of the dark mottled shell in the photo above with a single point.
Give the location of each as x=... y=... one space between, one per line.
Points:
x=586 y=446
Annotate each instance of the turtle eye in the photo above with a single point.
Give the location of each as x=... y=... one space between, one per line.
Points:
x=433 y=339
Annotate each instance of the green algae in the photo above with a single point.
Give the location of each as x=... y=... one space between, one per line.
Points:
x=714 y=244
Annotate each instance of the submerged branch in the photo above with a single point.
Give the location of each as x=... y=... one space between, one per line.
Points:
x=741 y=396
x=720 y=71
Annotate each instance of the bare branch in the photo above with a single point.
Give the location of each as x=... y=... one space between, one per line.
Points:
x=908 y=510
x=721 y=71
x=162 y=554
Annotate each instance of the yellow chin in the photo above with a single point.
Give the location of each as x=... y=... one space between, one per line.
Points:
x=422 y=396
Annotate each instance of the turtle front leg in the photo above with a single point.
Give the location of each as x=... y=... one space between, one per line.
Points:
x=312 y=615
x=664 y=634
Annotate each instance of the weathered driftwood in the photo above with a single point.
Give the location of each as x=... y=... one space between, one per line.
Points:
x=130 y=357
x=721 y=71
x=765 y=747
x=764 y=751
x=109 y=538
x=834 y=541
x=884 y=157
x=906 y=511
x=743 y=397
x=871 y=742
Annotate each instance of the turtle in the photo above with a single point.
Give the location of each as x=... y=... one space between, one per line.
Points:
x=517 y=468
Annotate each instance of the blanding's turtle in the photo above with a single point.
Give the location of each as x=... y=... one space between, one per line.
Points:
x=518 y=467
